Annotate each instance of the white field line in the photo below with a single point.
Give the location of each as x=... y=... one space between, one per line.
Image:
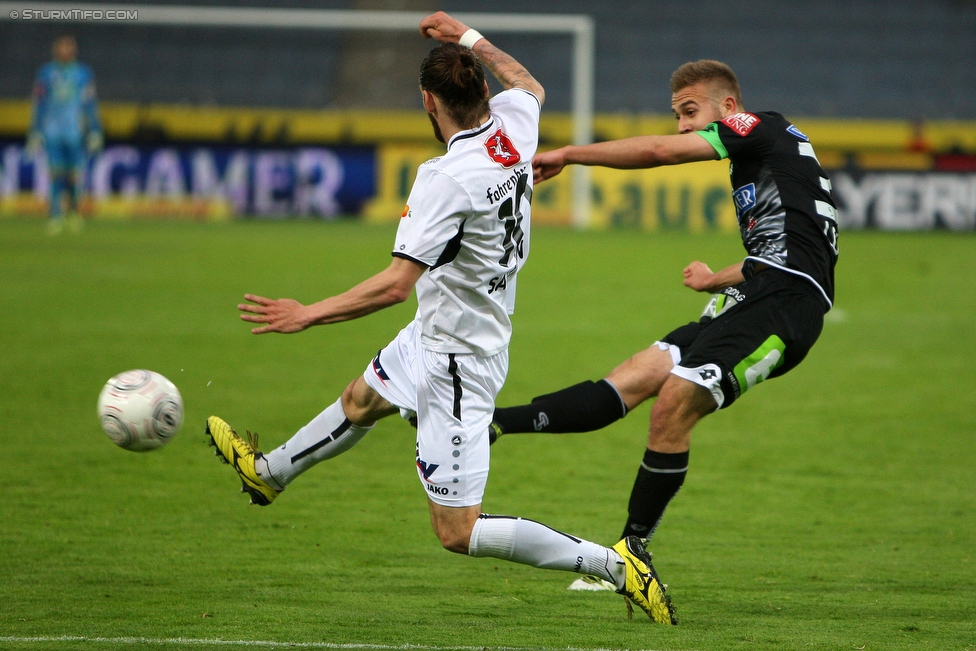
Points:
x=269 y=644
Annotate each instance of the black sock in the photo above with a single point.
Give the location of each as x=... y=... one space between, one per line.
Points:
x=658 y=480
x=583 y=407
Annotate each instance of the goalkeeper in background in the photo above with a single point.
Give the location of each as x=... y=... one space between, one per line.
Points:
x=64 y=121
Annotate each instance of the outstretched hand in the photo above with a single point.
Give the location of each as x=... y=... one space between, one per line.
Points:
x=698 y=276
x=282 y=315
x=547 y=165
x=442 y=27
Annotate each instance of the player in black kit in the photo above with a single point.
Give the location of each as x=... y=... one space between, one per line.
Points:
x=767 y=311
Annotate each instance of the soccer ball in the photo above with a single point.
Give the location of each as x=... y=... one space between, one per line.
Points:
x=140 y=410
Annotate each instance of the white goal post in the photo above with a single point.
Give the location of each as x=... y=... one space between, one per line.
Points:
x=579 y=26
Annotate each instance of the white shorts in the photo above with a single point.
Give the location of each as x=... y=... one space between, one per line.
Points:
x=453 y=396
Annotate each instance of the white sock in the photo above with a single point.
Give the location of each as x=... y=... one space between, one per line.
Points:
x=535 y=544
x=327 y=435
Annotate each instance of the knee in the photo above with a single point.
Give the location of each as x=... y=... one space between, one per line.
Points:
x=679 y=406
x=680 y=398
x=453 y=539
x=667 y=403
x=453 y=526
x=642 y=376
x=353 y=408
x=362 y=405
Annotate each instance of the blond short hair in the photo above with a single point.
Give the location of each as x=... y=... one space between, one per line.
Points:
x=716 y=74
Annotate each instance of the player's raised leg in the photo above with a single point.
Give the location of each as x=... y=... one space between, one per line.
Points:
x=589 y=406
x=334 y=431
x=338 y=428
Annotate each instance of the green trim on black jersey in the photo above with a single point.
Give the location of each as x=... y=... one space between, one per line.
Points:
x=710 y=133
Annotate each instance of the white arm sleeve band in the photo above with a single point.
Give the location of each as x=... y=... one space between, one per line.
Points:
x=469 y=38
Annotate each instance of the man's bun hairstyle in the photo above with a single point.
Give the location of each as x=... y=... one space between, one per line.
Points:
x=455 y=75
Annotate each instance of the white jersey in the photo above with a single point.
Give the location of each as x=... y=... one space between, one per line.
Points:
x=468 y=219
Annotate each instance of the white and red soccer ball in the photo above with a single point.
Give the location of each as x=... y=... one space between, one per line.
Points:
x=140 y=410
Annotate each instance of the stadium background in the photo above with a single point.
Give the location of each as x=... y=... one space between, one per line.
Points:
x=216 y=123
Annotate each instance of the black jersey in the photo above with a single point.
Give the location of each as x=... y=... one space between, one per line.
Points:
x=786 y=214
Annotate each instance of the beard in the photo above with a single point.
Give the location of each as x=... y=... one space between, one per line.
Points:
x=437 y=129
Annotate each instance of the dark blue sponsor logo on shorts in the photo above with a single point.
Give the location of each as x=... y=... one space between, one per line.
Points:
x=426 y=469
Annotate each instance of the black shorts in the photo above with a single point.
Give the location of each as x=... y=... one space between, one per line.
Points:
x=756 y=330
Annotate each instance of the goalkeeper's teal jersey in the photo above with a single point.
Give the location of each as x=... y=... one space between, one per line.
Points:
x=64 y=101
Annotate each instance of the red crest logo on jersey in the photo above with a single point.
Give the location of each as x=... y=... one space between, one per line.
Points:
x=741 y=123
x=501 y=150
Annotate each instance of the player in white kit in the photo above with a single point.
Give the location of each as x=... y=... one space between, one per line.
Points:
x=462 y=239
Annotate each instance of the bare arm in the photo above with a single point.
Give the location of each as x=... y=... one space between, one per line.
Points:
x=701 y=279
x=509 y=72
x=391 y=286
x=629 y=153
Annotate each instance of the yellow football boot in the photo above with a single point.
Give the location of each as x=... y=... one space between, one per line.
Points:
x=236 y=451
x=642 y=585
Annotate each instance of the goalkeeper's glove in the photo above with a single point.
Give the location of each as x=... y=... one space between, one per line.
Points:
x=35 y=142
x=95 y=142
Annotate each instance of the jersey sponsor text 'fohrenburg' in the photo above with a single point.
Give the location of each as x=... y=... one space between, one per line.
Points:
x=468 y=218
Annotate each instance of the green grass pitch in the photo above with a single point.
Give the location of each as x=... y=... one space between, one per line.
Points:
x=834 y=508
